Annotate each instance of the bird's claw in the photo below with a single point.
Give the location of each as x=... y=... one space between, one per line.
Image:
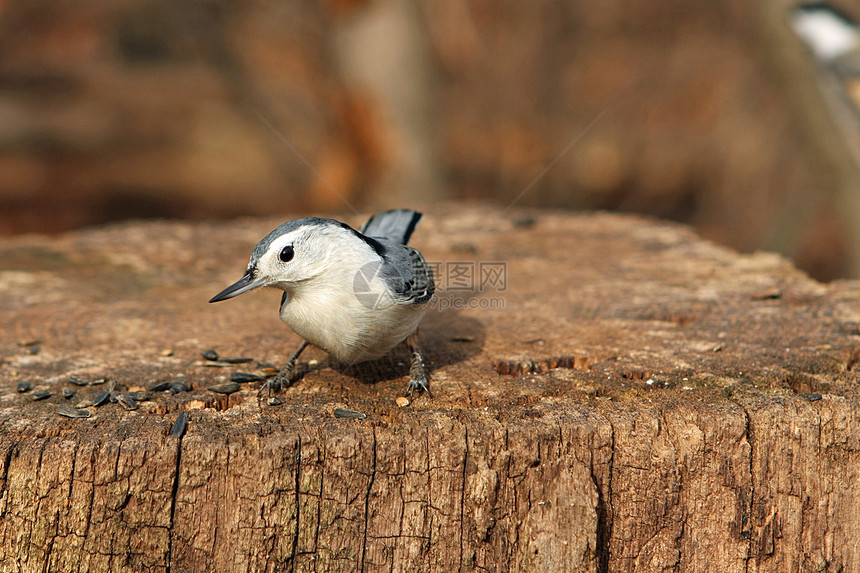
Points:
x=418 y=384
x=284 y=379
x=417 y=376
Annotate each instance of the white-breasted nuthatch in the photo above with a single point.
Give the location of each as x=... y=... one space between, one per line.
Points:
x=354 y=294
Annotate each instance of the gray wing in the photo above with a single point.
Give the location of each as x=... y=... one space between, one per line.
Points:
x=407 y=273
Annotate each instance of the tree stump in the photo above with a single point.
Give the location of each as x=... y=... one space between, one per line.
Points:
x=623 y=397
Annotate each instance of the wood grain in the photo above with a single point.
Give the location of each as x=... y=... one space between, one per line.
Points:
x=632 y=402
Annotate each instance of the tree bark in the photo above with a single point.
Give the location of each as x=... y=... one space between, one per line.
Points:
x=629 y=398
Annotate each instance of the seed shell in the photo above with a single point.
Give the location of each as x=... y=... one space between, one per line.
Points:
x=160 y=387
x=236 y=359
x=180 y=425
x=243 y=377
x=69 y=412
x=225 y=388
x=209 y=355
x=101 y=398
x=139 y=395
x=127 y=401
x=177 y=387
x=346 y=413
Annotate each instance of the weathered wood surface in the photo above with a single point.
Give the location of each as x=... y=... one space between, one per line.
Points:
x=643 y=401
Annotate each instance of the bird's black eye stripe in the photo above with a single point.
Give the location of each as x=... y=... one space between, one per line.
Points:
x=286 y=254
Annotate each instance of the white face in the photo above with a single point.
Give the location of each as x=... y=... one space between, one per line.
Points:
x=316 y=254
x=308 y=253
x=290 y=259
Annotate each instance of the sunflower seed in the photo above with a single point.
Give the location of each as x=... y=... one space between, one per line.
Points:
x=40 y=395
x=69 y=412
x=97 y=381
x=177 y=387
x=275 y=401
x=225 y=388
x=84 y=404
x=243 y=377
x=210 y=355
x=174 y=387
x=180 y=425
x=345 y=413
x=236 y=360
x=139 y=395
x=77 y=381
x=160 y=387
x=101 y=398
x=24 y=386
x=68 y=393
x=127 y=401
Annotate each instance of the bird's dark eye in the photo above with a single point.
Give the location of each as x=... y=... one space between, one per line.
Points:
x=286 y=254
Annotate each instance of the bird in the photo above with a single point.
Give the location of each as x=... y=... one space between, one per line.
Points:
x=355 y=294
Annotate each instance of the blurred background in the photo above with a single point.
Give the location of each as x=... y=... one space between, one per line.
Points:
x=715 y=114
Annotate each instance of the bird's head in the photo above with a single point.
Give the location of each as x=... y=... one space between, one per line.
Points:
x=300 y=251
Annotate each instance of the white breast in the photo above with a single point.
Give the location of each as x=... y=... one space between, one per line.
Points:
x=331 y=315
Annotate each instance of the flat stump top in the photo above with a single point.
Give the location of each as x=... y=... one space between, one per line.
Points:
x=533 y=311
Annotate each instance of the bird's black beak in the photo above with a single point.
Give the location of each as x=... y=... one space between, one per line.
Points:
x=243 y=285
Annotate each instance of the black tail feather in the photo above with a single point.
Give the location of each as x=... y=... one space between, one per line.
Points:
x=395 y=225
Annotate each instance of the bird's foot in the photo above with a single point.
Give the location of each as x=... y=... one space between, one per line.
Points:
x=417 y=376
x=284 y=379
